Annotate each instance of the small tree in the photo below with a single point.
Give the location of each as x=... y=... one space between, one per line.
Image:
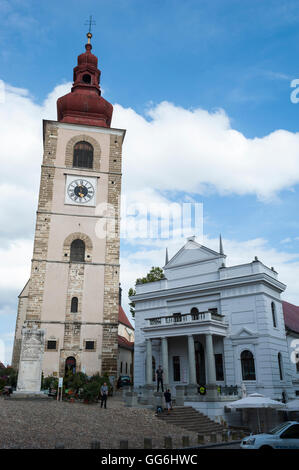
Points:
x=131 y=293
x=155 y=274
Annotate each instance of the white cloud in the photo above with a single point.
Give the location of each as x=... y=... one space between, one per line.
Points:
x=15 y=264
x=21 y=156
x=190 y=150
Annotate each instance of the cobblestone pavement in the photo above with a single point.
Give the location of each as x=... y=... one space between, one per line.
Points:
x=41 y=424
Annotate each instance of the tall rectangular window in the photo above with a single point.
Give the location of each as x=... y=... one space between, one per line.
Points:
x=176 y=369
x=219 y=367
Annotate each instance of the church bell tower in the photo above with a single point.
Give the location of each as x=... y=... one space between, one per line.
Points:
x=72 y=293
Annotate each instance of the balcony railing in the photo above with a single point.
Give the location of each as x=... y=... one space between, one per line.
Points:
x=178 y=318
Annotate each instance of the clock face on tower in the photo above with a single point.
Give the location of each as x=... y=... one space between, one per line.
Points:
x=80 y=190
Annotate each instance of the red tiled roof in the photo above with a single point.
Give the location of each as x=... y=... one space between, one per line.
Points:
x=291 y=316
x=124 y=343
x=122 y=318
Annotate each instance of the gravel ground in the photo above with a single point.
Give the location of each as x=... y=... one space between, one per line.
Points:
x=41 y=424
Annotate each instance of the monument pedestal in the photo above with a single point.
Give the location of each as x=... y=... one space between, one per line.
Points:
x=28 y=396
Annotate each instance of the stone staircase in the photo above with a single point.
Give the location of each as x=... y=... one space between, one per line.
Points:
x=190 y=419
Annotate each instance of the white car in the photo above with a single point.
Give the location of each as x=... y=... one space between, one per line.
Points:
x=284 y=436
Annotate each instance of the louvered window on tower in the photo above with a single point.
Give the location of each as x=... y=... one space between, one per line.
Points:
x=83 y=155
x=77 y=251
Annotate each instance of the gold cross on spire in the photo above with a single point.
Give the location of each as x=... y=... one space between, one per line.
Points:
x=89 y=23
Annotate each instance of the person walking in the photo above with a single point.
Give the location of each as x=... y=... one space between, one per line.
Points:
x=104 y=395
x=159 y=375
x=167 y=396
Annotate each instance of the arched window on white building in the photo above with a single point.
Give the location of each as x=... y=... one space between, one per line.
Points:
x=248 y=366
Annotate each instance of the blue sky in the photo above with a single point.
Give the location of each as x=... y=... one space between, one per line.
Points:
x=237 y=56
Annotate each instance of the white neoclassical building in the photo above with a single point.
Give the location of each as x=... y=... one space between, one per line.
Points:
x=216 y=327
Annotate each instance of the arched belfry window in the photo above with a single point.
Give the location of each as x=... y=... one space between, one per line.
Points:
x=247 y=364
x=86 y=78
x=273 y=309
x=83 y=155
x=77 y=250
x=74 y=305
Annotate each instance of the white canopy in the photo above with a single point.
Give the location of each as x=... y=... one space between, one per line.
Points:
x=293 y=405
x=256 y=400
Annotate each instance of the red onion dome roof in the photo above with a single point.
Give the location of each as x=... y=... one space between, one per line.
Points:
x=87 y=57
x=84 y=104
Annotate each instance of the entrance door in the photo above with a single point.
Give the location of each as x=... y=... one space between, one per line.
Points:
x=70 y=366
x=200 y=363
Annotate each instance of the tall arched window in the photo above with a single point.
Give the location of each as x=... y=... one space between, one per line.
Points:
x=77 y=250
x=247 y=364
x=279 y=358
x=70 y=366
x=83 y=155
x=273 y=309
x=74 y=305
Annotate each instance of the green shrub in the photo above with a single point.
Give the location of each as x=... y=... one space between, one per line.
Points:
x=101 y=379
x=2 y=383
x=90 y=391
x=9 y=376
x=50 y=382
x=75 y=381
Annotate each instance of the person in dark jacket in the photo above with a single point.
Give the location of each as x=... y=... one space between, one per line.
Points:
x=104 y=395
x=159 y=375
x=167 y=396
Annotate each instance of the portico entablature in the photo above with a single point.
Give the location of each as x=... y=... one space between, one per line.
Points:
x=169 y=327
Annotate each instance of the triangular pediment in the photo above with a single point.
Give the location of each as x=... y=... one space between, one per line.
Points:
x=192 y=252
x=244 y=333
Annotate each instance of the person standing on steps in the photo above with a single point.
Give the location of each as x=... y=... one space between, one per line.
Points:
x=104 y=395
x=159 y=375
x=167 y=396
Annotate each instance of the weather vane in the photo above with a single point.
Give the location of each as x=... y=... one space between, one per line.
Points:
x=89 y=23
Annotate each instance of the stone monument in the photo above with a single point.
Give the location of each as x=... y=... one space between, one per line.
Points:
x=30 y=367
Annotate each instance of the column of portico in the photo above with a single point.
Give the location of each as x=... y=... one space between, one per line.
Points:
x=191 y=360
x=192 y=386
x=165 y=361
x=149 y=362
x=211 y=368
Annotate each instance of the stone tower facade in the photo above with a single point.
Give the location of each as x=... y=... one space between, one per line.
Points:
x=73 y=291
